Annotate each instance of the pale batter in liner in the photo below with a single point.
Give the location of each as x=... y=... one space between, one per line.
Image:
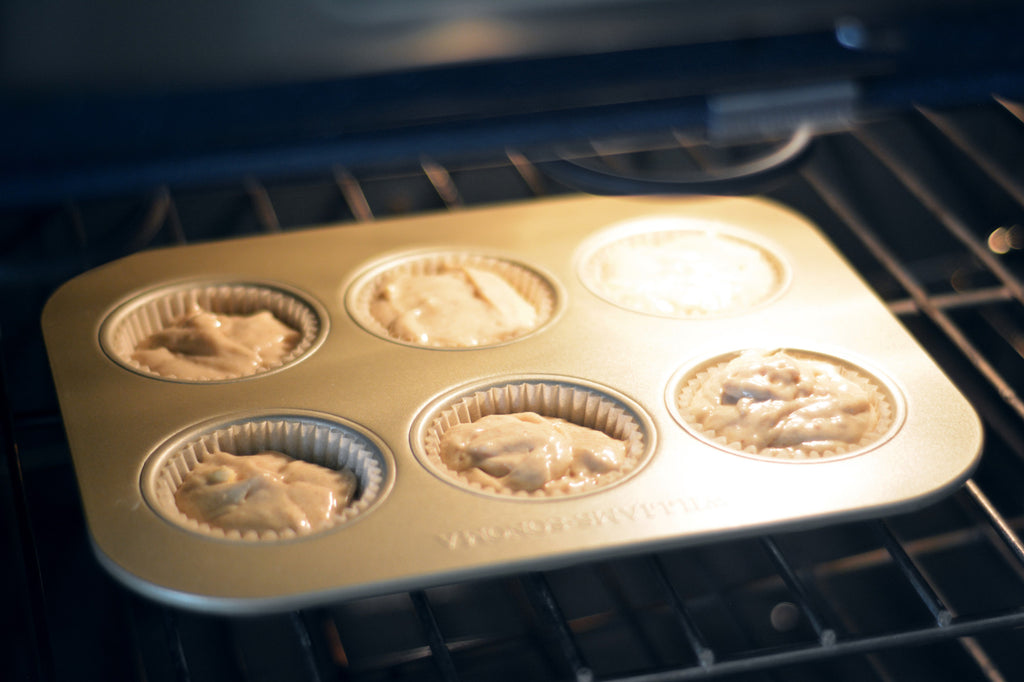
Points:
x=211 y=332
x=786 y=404
x=584 y=409
x=525 y=451
x=456 y=306
x=452 y=300
x=682 y=269
x=204 y=345
x=315 y=451
x=266 y=491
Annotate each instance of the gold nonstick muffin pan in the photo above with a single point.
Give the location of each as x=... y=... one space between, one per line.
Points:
x=609 y=350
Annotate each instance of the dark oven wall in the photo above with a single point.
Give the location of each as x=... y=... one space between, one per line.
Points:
x=928 y=205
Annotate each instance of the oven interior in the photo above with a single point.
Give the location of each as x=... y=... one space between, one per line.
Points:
x=925 y=201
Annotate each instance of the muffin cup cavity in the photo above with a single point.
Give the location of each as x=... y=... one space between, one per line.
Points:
x=535 y=288
x=327 y=442
x=152 y=312
x=577 y=402
x=690 y=383
x=679 y=268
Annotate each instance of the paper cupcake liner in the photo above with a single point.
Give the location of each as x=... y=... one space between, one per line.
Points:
x=534 y=288
x=711 y=375
x=574 y=403
x=317 y=441
x=661 y=233
x=151 y=313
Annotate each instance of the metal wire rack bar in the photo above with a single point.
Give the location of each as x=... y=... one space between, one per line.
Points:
x=955 y=300
x=942 y=615
x=555 y=627
x=985 y=528
x=704 y=654
x=438 y=647
x=442 y=182
x=176 y=652
x=308 y=652
x=263 y=207
x=352 y=191
x=996 y=520
x=528 y=172
x=845 y=647
x=826 y=634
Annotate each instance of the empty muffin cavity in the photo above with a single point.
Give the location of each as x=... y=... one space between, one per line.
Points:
x=451 y=299
x=212 y=331
x=533 y=438
x=681 y=268
x=249 y=495
x=785 y=404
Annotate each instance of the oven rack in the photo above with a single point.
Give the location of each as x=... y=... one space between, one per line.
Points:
x=928 y=206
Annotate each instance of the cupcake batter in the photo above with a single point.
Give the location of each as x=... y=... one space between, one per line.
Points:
x=205 y=345
x=526 y=451
x=457 y=307
x=776 y=402
x=268 y=491
x=684 y=274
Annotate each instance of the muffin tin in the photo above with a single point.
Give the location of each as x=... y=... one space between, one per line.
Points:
x=352 y=396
